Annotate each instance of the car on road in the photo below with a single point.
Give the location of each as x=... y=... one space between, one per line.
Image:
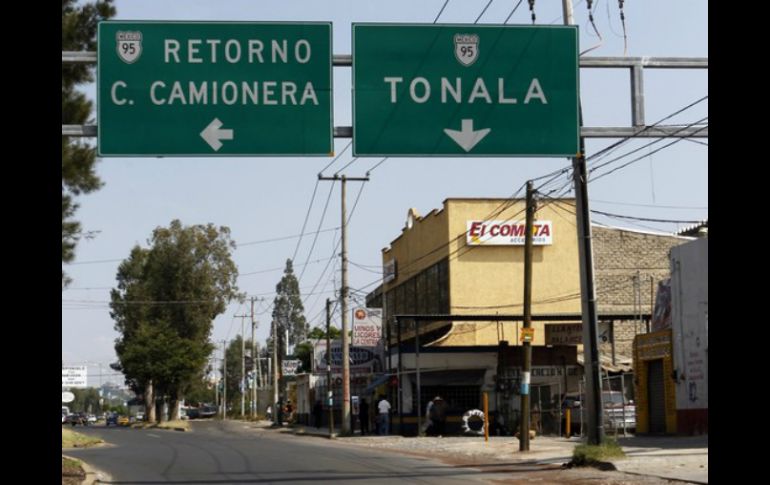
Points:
x=91 y=418
x=208 y=411
x=123 y=421
x=77 y=418
x=112 y=418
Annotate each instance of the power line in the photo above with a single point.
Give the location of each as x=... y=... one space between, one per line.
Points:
x=636 y=159
x=647 y=219
x=284 y=238
x=281 y=268
x=649 y=205
x=482 y=12
x=323 y=215
x=440 y=11
x=512 y=12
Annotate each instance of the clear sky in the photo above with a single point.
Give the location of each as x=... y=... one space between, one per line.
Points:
x=268 y=198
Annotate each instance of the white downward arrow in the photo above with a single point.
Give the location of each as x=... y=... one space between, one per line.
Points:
x=466 y=137
x=212 y=134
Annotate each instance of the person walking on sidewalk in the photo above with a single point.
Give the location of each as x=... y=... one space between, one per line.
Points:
x=363 y=416
x=383 y=416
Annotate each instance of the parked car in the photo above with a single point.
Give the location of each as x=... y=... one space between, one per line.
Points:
x=192 y=413
x=617 y=415
x=91 y=418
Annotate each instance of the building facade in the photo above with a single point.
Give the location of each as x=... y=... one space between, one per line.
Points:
x=467 y=259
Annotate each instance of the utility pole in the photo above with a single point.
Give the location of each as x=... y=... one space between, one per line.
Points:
x=592 y=368
x=329 y=384
x=275 y=373
x=527 y=365
x=243 y=366
x=346 y=428
x=224 y=386
x=254 y=363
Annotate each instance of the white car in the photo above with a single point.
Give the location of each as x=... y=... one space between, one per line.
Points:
x=91 y=418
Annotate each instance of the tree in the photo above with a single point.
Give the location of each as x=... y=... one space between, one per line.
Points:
x=166 y=300
x=234 y=374
x=288 y=310
x=304 y=351
x=79 y=24
x=86 y=401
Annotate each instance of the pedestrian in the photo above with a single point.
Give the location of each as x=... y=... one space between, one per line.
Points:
x=318 y=413
x=383 y=416
x=269 y=413
x=438 y=414
x=363 y=416
x=427 y=427
x=289 y=411
x=279 y=413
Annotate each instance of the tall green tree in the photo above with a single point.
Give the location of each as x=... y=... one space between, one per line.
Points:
x=304 y=350
x=164 y=306
x=288 y=311
x=234 y=374
x=78 y=25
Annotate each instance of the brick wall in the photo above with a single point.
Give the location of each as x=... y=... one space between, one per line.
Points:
x=624 y=261
x=621 y=255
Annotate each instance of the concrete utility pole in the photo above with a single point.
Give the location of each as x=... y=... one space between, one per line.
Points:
x=224 y=385
x=275 y=372
x=595 y=428
x=346 y=420
x=527 y=365
x=254 y=363
x=243 y=366
x=329 y=384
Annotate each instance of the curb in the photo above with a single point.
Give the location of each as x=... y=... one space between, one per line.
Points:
x=302 y=432
x=673 y=479
x=93 y=475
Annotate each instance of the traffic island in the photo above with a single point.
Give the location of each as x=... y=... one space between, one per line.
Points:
x=71 y=439
x=178 y=425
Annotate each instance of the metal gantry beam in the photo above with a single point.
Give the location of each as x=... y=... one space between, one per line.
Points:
x=635 y=65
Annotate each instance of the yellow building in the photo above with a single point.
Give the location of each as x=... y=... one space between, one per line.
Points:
x=442 y=264
x=467 y=259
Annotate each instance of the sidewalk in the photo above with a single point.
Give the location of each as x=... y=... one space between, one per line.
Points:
x=669 y=457
x=677 y=457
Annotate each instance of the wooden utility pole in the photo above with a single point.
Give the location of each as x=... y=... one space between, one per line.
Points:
x=346 y=420
x=527 y=364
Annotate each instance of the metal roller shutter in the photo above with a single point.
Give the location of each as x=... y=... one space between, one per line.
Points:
x=656 y=396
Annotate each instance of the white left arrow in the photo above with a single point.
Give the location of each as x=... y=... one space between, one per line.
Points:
x=212 y=134
x=466 y=137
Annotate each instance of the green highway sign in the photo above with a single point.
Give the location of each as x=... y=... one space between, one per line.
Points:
x=214 y=88
x=465 y=90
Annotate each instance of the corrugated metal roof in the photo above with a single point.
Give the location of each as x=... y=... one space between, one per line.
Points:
x=623 y=363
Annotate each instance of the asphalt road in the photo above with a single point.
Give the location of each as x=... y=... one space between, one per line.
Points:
x=229 y=453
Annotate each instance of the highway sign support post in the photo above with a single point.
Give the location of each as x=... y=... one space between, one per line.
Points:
x=214 y=89
x=465 y=90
